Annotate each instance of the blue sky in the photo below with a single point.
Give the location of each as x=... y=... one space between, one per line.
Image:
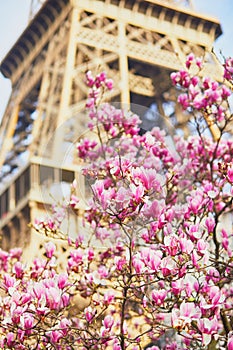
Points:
x=14 y=16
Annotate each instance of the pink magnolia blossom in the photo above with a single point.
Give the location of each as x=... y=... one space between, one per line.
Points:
x=210 y=224
x=230 y=343
x=108 y=322
x=18 y=269
x=228 y=69
x=90 y=313
x=50 y=248
x=190 y=58
x=109 y=297
x=208 y=327
x=53 y=298
x=109 y=84
x=27 y=322
x=230 y=174
x=62 y=280
x=9 y=281
x=202 y=246
x=168 y=266
x=10 y=338
x=158 y=296
x=138 y=264
x=182 y=317
x=16 y=253
x=55 y=336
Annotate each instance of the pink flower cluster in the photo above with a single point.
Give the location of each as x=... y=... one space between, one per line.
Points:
x=228 y=69
x=97 y=85
x=173 y=204
x=30 y=300
x=203 y=95
x=158 y=267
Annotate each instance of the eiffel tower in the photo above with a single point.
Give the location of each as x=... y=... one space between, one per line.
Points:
x=138 y=43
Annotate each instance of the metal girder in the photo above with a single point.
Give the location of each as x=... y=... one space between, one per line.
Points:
x=40 y=44
x=24 y=87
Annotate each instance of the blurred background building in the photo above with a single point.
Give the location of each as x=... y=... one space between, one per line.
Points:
x=138 y=43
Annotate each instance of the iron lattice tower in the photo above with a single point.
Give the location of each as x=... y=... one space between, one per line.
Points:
x=138 y=43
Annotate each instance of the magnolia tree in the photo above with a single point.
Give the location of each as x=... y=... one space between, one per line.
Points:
x=162 y=275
